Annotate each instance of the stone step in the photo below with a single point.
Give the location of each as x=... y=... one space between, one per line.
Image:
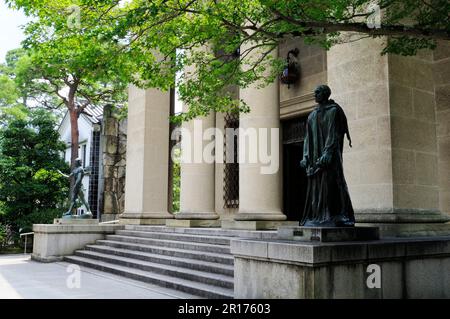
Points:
x=267 y=234
x=172 y=244
x=216 y=240
x=172 y=271
x=195 y=288
x=193 y=264
x=224 y=259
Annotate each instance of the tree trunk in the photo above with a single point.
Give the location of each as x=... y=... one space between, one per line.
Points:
x=74 y=133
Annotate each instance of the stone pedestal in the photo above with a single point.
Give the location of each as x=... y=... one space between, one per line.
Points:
x=147 y=170
x=384 y=269
x=331 y=234
x=53 y=242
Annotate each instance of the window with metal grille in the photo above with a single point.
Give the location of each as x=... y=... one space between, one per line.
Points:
x=294 y=130
x=231 y=164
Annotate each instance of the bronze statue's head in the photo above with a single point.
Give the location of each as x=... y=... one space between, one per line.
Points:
x=322 y=93
x=78 y=162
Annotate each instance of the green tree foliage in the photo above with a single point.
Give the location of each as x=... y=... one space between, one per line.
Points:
x=68 y=63
x=29 y=157
x=2 y=236
x=177 y=28
x=162 y=38
x=176 y=180
x=9 y=91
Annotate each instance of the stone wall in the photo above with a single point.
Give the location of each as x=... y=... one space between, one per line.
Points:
x=114 y=140
x=413 y=127
x=358 y=78
x=392 y=170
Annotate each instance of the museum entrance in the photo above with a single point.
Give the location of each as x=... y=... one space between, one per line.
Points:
x=294 y=177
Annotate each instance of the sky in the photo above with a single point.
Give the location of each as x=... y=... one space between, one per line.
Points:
x=10 y=32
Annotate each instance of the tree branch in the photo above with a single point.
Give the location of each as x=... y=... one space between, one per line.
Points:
x=384 y=30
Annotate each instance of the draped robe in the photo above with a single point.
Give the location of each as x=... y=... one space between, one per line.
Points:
x=328 y=201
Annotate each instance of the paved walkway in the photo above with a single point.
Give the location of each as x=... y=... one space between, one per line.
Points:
x=22 y=278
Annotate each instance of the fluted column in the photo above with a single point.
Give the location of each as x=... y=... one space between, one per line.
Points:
x=260 y=188
x=147 y=171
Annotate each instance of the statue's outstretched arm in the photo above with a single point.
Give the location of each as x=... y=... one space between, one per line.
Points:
x=65 y=175
x=88 y=171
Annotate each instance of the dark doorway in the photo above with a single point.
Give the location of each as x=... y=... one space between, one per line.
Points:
x=294 y=177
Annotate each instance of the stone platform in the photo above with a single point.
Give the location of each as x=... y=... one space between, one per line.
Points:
x=75 y=221
x=54 y=241
x=328 y=234
x=382 y=269
x=255 y=225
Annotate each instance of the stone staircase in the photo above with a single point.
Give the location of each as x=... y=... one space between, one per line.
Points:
x=195 y=261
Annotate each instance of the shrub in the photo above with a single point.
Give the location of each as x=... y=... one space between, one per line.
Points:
x=30 y=186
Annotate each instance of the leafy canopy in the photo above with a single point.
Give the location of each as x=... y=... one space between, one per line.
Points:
x=163 y=38
x=69 y=63
x=240 y=34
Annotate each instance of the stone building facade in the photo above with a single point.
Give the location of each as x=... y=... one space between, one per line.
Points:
x=398 y=170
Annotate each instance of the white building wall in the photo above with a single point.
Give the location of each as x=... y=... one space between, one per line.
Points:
x=85 y=128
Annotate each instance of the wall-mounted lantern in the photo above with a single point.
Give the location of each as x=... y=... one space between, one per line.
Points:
x=291 y=73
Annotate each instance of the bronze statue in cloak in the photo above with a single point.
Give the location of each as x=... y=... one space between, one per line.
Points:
x=328 y=201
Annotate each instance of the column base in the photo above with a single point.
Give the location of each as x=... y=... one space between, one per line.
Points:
x=258 y=216
x=197 y=216
x=154 y=218
x=411 y=230
x=399 y=222
x=193 y=223
x=400 y=215
x=256 y=224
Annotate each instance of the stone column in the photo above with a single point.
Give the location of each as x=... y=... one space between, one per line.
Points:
x=260 y=194
x=146 y=186
x=197 y=189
